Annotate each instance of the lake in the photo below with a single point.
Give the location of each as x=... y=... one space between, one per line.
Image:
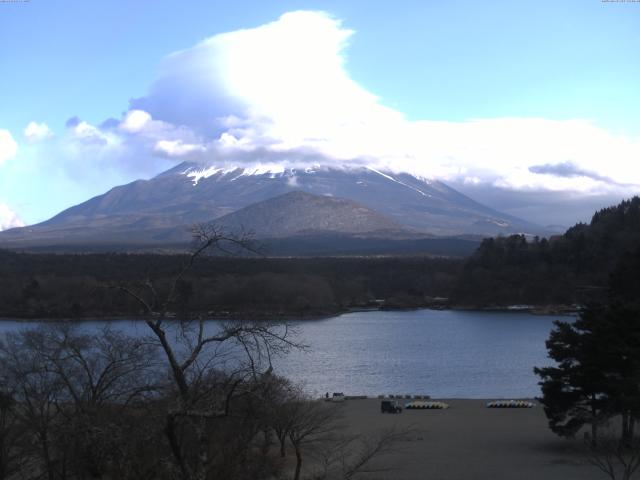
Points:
x=442 y=353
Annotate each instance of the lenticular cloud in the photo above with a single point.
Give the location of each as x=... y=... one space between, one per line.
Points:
x=281 y=92
x=255 y=94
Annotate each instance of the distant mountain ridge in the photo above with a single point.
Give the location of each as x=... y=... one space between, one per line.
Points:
x=160 y=210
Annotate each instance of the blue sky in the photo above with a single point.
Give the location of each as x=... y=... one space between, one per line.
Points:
x=463 y=77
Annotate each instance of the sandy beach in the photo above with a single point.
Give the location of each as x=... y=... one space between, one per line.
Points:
x=469 y=441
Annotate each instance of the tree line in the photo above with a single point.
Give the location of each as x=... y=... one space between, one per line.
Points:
x=565 y=269
x=562 y=270
x=73 y=286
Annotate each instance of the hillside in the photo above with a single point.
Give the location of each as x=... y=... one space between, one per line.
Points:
x=297 y=213
x=570 y=268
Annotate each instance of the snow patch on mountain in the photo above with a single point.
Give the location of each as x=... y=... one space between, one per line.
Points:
x=196 y=174
x=273 y=170
x=398 y=181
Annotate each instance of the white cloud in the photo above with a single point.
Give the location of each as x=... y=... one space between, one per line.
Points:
x=8 y=218
x=281 y=93
x=134 y=121
x=177 y=148
x=256 y=95
x=36 y=132
x=8 y=146
x=89 y=134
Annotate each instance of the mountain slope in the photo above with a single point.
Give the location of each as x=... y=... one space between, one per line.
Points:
x=160 y=210
x=300 y=213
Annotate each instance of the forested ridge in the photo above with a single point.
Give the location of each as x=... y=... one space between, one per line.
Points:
x=565 y=269
x=75 y=286
x=561 y=270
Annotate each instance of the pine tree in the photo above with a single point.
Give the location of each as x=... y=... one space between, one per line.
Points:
x=597 y=375
x=573 y=393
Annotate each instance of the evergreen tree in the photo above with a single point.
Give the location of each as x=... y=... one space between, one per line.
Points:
x=618 y=333
x=597 y=375
x=573 y=393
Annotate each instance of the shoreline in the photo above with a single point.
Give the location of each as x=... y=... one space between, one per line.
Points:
x=546 y=310
x=365 y=399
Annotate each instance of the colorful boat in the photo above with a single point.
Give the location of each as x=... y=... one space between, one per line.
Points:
x=510 y=404
x=422 y=405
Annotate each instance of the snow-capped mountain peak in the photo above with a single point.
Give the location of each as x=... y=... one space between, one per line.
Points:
x=196 y=173
x=366 y=197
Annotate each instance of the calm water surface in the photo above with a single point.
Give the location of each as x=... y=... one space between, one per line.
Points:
x=442 y=353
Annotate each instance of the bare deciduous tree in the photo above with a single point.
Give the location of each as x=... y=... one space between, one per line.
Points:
x=194 y=355
x=38 y=392
x=71 y=389
x=192 y=400
x=310 y=421
x=10 y=435
x=108 y=368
